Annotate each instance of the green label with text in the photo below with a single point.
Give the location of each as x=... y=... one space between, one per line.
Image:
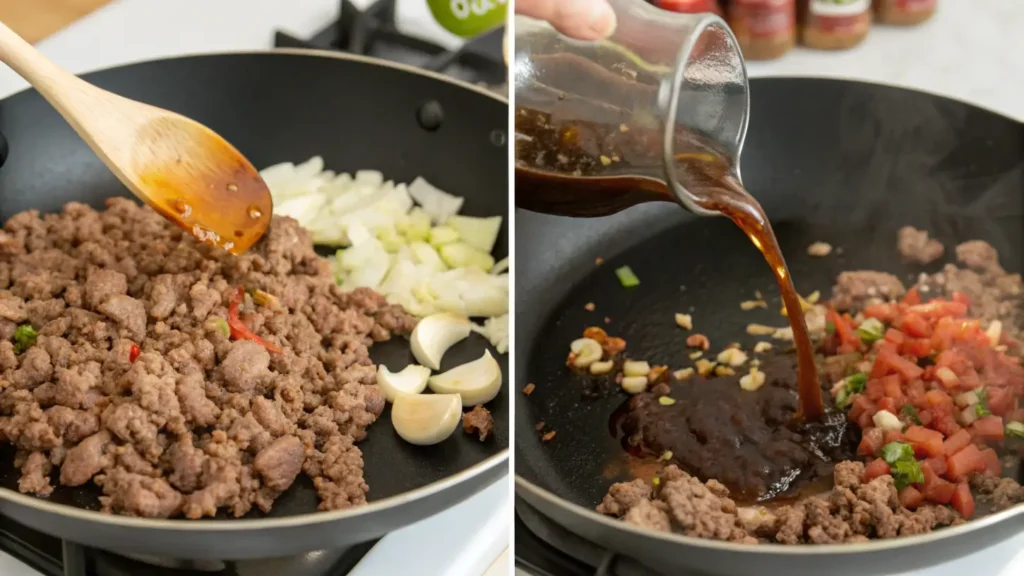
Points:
x=468 y=18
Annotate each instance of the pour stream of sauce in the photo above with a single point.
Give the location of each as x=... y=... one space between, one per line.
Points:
x=601 y=166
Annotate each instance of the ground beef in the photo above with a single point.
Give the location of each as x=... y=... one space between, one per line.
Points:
x=915 y=246
x=478 y=421
x=994 y=293
x=1003 y=493
x=854 y=289
x=133 y=383
x=851 y=512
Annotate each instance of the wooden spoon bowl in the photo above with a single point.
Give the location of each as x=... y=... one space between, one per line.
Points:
x=182 y=169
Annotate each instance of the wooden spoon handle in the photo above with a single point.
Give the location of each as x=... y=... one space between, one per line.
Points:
x=70 y=95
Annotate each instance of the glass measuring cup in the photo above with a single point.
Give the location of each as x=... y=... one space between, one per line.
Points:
x=620 y=114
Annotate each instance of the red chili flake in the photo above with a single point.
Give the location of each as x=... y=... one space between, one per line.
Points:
x=133 y=355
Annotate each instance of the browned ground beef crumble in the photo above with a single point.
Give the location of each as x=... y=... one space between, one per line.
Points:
x=852 y=510
x=198 y=422
x=478 y=421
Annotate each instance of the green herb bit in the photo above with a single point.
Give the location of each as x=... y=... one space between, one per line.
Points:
x=830 y=328
x=894 y=452
x=843 y=398
x=666 y=401
x=855 y=382
x=1015 y=429
x=24 y=338
x=871 y=330
x=981 y=410
x=626 y=277
x=906 y=472
x=910 y=411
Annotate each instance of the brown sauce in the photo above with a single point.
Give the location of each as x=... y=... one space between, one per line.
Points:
x=608 y=163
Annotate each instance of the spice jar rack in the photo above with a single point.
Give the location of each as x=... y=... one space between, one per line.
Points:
x=768 y=29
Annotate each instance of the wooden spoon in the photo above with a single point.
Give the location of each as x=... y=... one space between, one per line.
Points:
x=181 y=168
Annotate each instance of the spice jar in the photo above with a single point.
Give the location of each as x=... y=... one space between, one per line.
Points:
x=765 y=29
x=904 y=12
x=834 y=24
x=690 y=6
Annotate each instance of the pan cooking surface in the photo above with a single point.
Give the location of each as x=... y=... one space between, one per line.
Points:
x=833 y=161
x=274 y=108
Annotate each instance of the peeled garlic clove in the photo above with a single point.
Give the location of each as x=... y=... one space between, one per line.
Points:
x=410 y=380
x=426 y=419
x=477 y=382
x=587 y=351
x=435 y=334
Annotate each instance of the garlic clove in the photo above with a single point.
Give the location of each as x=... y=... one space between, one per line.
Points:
x=587 y=351
x=477 y=382
x=409 y=380
x=435 y=334
x=426 y=419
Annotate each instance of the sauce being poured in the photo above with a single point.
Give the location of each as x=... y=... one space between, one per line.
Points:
x=603 y=165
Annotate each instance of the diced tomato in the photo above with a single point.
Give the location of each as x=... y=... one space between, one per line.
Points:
x=939 y=400
x=895 y=336
x=915 y=326
x=915 y=391
x=910 y=498
x=889 y=405
x=993 y=466
x=866 y=419
x=917 y=347
x=875 y=389
x=925 y=441
x=861 y=404
x=926 y=417
x=884 y=312
x=956 y=442
x=967 y=460
x=962 y=298
x=875 y=468
x=888 y=361
x=946 y=424
x=133 y=353
x=939 y=491
x=937 y=464
x=912 y=297
x=988 y=428
x=953 y=360
x=871 y=441
x=892 y=386
x=962 y=500
x=892 y=436
x=844 y=330
x=1000 y=400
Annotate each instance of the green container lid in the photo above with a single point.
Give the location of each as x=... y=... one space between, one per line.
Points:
x=467 y=18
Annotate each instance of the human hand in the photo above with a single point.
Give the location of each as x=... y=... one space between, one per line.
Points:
x=579 y=19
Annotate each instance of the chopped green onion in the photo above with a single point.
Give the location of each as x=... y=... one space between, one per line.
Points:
x=981 y=408
x=24 y=337
x=655 y=480
x=1015 y=429
x=871 y=330
x=856 y=382
x=903 y=468
x=893 y=452
x=666 y=456
x=910 y=411
x=906 y=472
x=843 y=398
x=830 y=328
x=626 y=277
x=219 y=325
x=666 y=401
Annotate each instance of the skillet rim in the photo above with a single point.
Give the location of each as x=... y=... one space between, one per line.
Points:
x=877 y=545
x=310 y=518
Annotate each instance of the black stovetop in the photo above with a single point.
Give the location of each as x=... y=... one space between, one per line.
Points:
x=373 y=32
